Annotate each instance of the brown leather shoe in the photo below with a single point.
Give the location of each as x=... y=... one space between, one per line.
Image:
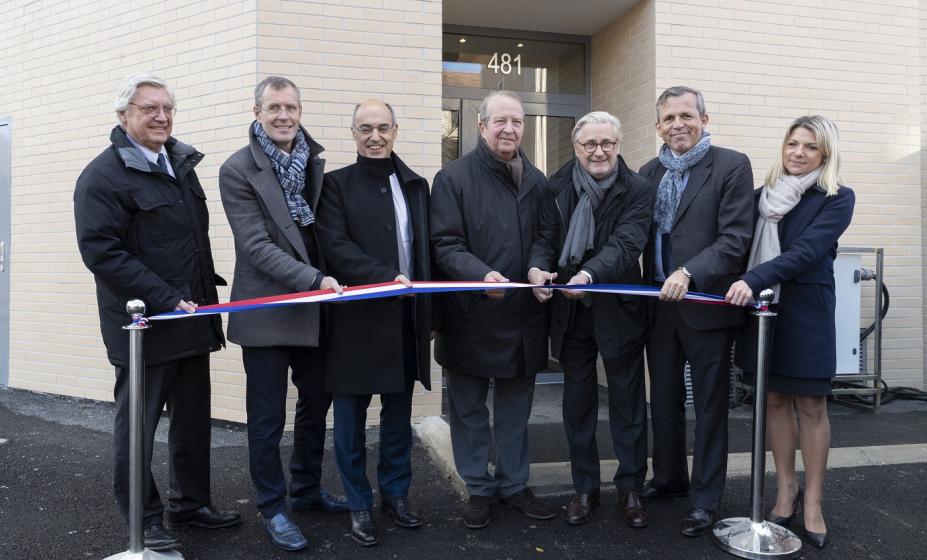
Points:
x=581 y=507
x=632 y=509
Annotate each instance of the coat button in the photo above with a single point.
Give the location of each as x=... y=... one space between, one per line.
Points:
x=382 y=190
x=389 y=227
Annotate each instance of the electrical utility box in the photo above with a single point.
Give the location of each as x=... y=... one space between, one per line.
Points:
x=846 y=280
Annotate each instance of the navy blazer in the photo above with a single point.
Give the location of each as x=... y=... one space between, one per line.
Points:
x=804 y=343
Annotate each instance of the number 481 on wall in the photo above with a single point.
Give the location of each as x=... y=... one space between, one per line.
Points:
x=505 y=63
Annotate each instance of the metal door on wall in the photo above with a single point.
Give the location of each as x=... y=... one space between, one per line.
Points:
x=6 y=187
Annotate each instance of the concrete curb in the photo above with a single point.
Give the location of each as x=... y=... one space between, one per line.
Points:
x=435 y=435
x=553 y=479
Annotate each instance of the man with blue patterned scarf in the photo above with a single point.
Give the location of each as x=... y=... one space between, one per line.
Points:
x=269 y=191
x=702 y=225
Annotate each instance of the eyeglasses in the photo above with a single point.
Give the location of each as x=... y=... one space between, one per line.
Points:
x=291 y=110
x=367 y=130
x=606 y=146
x=151 y=110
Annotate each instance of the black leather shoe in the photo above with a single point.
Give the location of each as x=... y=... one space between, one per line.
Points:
x=158 y=539
x=322 y=502
x=786 y=521
x=653 y=491
x=529 y=504
x=284 y=534
x=206 y=516
x=817 y=540
x=363 y=529
x=633 y=510
x=698 y=522
x=476 y=514
x=581 y=507
x=401 y=511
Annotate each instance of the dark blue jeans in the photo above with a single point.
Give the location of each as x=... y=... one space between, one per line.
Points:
x=267 y=370
x=394 y=469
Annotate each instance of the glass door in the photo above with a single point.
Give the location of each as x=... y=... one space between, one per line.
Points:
x=546 y=138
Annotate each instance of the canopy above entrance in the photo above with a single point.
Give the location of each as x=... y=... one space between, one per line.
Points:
x=550 y=16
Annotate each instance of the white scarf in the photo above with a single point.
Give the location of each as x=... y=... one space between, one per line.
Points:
x=775 y=202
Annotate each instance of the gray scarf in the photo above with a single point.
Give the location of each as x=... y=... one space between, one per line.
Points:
x=669 y=192
x=775 y=202
x=580 y=236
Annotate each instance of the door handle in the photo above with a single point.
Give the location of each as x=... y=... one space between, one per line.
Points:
x=2 y=256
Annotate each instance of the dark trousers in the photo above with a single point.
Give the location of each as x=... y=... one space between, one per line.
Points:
x=183 y=385
x=394 y=469
x=626 y=408
x=670 y=344
x=471 y=436
x=267 y=369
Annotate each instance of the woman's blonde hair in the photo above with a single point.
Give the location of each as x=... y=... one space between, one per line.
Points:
x=828 y=140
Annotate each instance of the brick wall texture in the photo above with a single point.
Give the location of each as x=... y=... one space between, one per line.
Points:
x=760 y=65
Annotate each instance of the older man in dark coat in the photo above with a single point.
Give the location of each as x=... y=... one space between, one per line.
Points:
x=373 y=227
x=593 y=228
x=142 y=230
x=270 y=189
x=484 y=217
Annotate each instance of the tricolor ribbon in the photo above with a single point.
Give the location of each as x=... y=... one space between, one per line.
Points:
x=393 y=289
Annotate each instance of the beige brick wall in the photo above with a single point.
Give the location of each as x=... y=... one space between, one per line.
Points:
x=61 y=65
x=761 y=64
x=623 y=57
x=922 y=4
x=212 y=53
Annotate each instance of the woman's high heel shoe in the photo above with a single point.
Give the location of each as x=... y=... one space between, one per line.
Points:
x=786 y=521
x=817 y=540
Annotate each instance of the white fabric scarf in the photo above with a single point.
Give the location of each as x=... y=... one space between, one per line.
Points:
x=775 y=202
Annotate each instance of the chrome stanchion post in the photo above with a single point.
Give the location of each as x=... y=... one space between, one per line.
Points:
x=137 y=467
x=754 y=537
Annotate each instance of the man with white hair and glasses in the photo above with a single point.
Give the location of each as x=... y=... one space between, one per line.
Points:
x=142 y=230
x=593 y=226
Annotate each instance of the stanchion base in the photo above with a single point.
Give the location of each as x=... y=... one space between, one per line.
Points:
x=146 y=555
x=746 y=539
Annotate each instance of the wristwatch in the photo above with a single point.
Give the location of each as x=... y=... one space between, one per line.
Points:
x=685 y=272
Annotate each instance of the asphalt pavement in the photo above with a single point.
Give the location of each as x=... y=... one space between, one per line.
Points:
x=56 y=496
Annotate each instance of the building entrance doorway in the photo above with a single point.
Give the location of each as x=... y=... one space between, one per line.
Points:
x=549 y=72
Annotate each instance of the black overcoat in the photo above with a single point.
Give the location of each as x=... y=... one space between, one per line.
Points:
x=622 y=223
x=356 y=228
x=805 y=340
x=482 y=221
x=144 y=234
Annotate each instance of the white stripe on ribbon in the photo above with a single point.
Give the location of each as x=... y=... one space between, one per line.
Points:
x=391 y=289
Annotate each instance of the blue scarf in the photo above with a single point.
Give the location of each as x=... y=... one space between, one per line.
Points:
x=290 y=171
x=669 y=192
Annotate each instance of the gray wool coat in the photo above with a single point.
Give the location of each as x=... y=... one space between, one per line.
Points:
x=270 y=255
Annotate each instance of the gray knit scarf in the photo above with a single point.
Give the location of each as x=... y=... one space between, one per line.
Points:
x=290 y=170
x=670 y=190
x=580 y=236
x=775 y=202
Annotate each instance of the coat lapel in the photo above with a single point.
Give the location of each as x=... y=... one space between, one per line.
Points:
x=268 y=188
x=316 y=174
x=697 y=179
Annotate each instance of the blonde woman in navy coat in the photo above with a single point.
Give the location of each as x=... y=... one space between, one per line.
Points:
x=802 y=211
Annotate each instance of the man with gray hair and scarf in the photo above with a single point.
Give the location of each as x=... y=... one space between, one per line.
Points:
x=269 y=191
x=593 y=226
x=702 y=225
